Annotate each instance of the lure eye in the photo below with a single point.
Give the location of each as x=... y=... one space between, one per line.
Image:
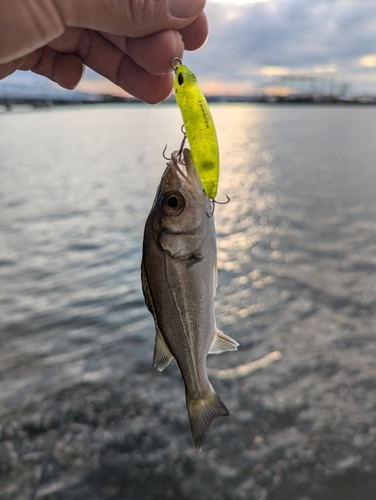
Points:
x=173 y=203
x=180 y=79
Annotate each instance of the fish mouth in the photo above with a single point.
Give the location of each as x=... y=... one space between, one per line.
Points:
x=179 y=168
x=183 y=166
x=175 y=167
x=181 y=173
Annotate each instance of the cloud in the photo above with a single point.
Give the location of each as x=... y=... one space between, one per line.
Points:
x=296 y=35
x=253 y=43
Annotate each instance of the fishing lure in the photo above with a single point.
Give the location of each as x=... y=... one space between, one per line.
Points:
x=199 y=126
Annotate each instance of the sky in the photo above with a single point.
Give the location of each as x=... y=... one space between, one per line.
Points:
x=253 y=44
x=258 y=45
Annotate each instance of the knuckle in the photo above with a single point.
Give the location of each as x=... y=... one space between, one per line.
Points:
x=85 y=43
x=143 y=14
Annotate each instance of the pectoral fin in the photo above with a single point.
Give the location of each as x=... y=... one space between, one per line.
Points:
x=162 y=355
x=222 y=342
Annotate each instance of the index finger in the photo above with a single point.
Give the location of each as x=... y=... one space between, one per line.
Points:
x=133 y=18
x=105 y=58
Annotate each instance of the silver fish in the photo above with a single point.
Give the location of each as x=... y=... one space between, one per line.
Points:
x=179 y=280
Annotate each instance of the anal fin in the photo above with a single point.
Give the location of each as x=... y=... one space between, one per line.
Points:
x=162 y=355
x=222 y=342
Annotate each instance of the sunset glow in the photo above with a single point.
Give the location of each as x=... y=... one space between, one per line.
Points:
x=101 y=86
x=369 y=61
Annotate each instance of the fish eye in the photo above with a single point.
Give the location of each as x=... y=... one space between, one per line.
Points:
x=180 y=79
x=173 y=203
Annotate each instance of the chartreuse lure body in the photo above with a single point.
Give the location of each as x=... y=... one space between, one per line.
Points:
x=199 y=127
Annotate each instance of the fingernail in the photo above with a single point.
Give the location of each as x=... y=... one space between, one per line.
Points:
x=186 y=8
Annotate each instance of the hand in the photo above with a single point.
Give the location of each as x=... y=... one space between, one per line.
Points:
x=130 y=42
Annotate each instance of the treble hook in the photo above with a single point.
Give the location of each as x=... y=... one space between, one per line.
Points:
x=180 y=152
x=163 y=154
x=179 y=155
x=215 y=202
x=222 y=202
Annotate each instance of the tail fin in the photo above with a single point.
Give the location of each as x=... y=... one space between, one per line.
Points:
x=201 y=412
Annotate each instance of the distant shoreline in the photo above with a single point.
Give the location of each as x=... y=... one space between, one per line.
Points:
x=10 y=104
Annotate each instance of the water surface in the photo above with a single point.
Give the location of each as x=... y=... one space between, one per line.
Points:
x=296 y=249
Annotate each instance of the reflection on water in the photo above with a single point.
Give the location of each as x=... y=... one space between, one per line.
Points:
x=296 y=258
x=247 y=368
x=250 y=184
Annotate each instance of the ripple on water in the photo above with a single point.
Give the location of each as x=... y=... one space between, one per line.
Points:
x=296 y=258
